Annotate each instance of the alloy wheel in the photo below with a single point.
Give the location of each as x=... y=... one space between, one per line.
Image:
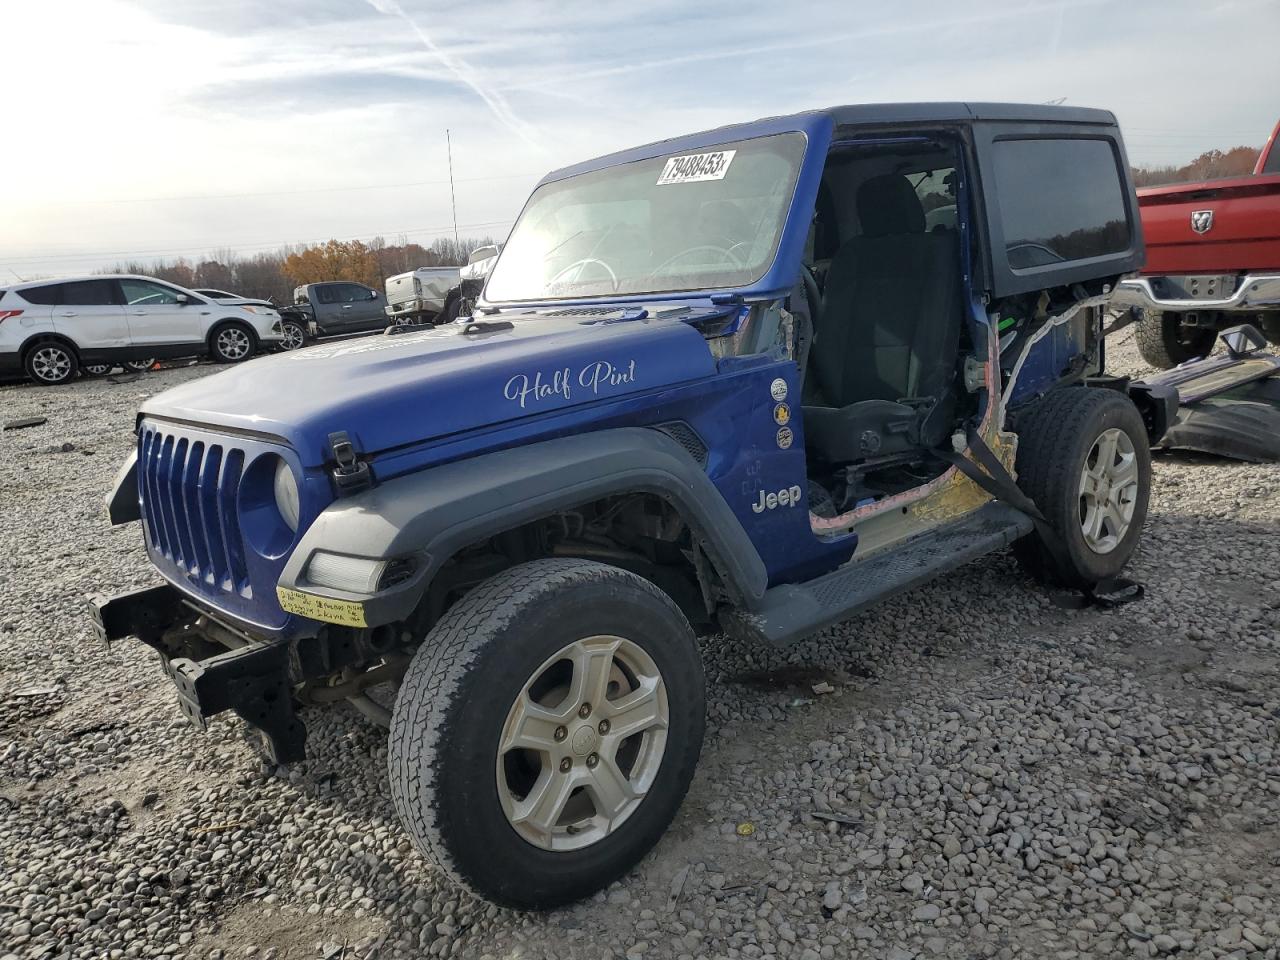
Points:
x=294 y=337
x=1108 y=490
x=583 y=743
x=51 y=363
x=233 y=343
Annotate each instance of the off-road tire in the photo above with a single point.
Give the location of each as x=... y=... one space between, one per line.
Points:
x=218 y=349
x=453 y=701
x=1165 y=343
x=1269 y=324
x=50 y=363
x=1055 y=436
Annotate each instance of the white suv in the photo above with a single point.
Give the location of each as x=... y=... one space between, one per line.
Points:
x=53 y=329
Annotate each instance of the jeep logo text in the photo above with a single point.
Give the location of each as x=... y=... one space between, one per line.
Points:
x=786 y=497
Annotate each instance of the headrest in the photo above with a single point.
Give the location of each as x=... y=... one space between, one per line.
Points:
x=889 y=205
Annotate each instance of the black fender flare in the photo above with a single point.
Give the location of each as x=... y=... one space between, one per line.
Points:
x=430 y=515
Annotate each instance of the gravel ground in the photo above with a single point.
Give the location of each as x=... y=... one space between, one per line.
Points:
x=991 y=775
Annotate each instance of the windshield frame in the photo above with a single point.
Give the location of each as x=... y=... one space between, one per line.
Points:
x=815 y=130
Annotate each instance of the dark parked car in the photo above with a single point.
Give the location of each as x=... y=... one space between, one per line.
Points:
x=337 y=306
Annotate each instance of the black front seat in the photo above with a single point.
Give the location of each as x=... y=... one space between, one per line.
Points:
x=884 y=354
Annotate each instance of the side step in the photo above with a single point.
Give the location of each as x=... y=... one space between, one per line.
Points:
x=793 y=611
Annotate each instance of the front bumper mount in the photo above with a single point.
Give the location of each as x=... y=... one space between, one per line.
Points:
x=253 y=679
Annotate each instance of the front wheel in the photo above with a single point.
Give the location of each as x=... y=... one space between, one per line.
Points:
x=139 y=366
x=231 y=343
x=1164 y=341
x=547 y=730
x=452 y=309
x=294 y=335
x=1083 y=458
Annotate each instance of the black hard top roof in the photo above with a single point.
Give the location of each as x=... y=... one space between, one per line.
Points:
x=916 y=112
x=870 y=114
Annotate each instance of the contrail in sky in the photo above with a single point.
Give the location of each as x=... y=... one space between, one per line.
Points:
x=494 y=100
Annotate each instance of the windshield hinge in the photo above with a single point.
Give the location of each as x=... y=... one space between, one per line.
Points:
x=351 y=474
x=486 y=326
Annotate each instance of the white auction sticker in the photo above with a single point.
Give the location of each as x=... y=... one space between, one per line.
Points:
x=697 y=166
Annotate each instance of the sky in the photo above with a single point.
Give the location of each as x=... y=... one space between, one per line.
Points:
x=144 y=129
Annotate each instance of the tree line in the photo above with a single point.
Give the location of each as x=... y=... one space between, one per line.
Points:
x=1210 y=165
x=276 y=273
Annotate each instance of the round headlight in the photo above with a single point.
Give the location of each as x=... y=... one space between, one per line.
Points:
x=286 y=489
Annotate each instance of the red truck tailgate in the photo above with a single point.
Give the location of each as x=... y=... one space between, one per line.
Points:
x=1243 y=231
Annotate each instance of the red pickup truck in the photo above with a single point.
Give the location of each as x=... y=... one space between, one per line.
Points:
x=1213 y=261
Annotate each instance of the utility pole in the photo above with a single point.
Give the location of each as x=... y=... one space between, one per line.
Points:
x=453 y=200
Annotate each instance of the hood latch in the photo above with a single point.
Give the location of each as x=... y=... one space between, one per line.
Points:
x=351 y=475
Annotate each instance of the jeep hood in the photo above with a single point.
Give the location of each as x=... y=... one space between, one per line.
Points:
x=389 y=391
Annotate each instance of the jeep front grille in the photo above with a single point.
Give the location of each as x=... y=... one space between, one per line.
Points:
x=188 y=488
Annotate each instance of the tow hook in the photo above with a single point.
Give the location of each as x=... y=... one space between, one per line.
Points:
x=351 y=474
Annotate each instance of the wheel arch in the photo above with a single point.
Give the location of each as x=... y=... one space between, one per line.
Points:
x=432 y=516
x=225 y=321
x=46 y=336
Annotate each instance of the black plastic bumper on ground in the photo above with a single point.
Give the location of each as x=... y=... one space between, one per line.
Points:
x=253 y=680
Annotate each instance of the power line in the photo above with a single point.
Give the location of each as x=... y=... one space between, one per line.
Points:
x=256 y=245
x=291 y=193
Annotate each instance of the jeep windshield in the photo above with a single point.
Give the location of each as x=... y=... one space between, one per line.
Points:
x=692 y=220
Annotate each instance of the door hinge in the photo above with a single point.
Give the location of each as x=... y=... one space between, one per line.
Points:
x=351 y=474
x=975 y=374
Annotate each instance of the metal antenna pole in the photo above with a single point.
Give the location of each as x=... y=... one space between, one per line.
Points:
x=453 y=200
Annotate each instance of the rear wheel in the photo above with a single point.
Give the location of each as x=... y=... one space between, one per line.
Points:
x=139 y=366
x=96 y=369
x=231 y=343
x=547 y=730
x=1083 y=458
x=1164 y=341
x=51 y=363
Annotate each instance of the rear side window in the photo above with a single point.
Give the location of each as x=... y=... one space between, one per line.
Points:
x=1060 y=200
x=89 y=293
x=328 y=293
x=44 y=296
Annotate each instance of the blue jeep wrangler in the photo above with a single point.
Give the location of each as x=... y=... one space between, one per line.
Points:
x=750 y=380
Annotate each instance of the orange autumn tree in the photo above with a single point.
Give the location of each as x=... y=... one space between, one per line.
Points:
x=334 y=260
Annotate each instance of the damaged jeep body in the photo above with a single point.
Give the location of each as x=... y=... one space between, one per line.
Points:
x=734 y=381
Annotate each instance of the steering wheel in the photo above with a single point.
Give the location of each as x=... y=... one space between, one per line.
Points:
x=581 y=264
x=725 y=252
